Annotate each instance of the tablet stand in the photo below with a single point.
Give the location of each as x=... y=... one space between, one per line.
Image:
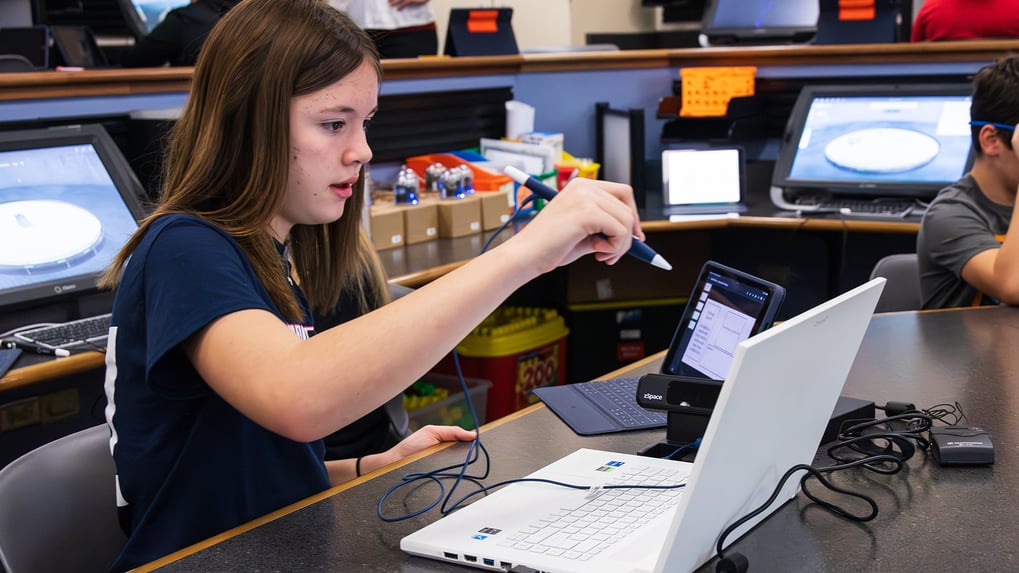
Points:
x=688 y=404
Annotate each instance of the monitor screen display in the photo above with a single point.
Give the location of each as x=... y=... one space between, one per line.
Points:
x=68 y=203
x=751 y=18
x=876 y=140
x=144 y=15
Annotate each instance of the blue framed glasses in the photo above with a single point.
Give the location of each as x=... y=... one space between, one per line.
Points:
x=998 y=125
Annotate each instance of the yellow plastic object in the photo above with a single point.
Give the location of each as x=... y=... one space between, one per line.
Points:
x=513 y=329
x=584 y=168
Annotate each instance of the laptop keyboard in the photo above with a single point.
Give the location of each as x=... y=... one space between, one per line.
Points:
x=618 y=397
x=87 y=333
x=594 y=525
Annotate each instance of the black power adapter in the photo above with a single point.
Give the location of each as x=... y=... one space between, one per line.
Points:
x=961 y=446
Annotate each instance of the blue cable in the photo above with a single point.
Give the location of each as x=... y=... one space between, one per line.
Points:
x=512 y=219
x=691 y=446
x=477 y=448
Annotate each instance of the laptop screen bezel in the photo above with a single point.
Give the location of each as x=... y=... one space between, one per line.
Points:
x=775 y=295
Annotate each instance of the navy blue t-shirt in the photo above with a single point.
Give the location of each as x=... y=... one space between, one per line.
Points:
x=189 y=465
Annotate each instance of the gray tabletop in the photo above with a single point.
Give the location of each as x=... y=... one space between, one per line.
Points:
x=931 y=518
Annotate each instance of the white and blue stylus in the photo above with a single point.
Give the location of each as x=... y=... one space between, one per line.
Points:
x=638 y=248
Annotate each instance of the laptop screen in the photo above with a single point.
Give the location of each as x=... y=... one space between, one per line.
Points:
x=703 y=176
x=877 y=140
x=68 y=201
x=747 y=20
x=726 y=307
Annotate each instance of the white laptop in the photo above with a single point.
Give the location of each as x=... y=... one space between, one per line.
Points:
x=703 y=181
x=770 y=415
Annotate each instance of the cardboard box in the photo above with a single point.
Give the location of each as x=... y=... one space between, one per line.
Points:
x=551 y=139
x=459 y=217
x=420 y=222
x=495 y=208
x=386 y=226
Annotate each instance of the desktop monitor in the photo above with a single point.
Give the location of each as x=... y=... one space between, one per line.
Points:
x=875 y=140
x=68 y=203
x=144 y=15
x=760 y=21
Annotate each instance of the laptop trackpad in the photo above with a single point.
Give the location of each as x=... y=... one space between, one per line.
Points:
x=579 y=413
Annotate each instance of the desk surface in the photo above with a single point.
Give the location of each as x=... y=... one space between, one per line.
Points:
x=931 y=518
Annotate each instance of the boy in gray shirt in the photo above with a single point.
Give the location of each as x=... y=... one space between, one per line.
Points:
x=965 y=228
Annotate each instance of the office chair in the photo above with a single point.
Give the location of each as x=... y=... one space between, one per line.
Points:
x=15 y=63
x=902 y=291
x=59 y=507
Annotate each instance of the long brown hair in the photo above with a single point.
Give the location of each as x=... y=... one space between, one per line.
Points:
x=228 y=155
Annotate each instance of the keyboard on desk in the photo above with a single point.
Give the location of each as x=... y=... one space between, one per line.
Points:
x=618 y=397
x=600 y=407
x=865 y=208
x=85 y=334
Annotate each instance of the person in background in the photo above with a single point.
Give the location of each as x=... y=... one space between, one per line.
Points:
x=219 y=389
x=400 y=28
x=178 y=38
x=940 y=20
x=966 y=254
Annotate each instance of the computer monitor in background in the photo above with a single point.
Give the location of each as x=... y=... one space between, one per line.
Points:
x=875 y=140
x=759 y=21
x=144 y=15
x=68 y=203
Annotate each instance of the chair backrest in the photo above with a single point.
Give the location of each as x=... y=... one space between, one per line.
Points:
x=902 y=291
x=15 y=63
x=59 y=507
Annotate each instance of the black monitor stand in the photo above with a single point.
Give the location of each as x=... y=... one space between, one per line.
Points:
x=681 y=431
x=688 y=403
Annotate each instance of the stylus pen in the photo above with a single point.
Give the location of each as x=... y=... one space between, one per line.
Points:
x=58 y=352
x=638 y=248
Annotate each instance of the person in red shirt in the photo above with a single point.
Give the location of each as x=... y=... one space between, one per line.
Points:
x=940 y=20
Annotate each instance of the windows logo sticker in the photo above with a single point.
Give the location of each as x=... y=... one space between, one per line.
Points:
x=610 y=465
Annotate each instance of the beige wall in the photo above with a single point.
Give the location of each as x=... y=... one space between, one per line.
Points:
x=557 y=23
